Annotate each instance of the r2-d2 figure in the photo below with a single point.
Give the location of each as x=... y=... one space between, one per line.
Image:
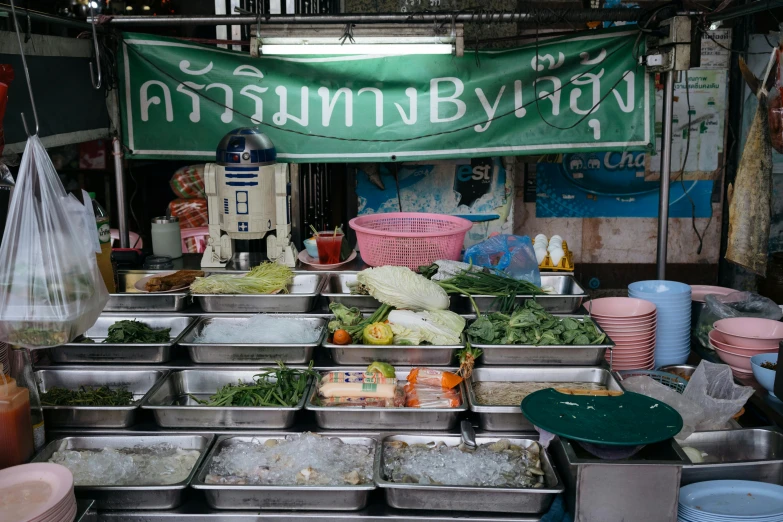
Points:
x=247 y=197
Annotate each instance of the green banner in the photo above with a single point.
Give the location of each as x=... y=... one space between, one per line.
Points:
x=577 y=93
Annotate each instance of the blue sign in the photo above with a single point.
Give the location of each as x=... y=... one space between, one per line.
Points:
x=612 y=184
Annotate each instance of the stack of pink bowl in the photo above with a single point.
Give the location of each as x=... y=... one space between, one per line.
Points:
x=737 y=339
x=39 y=492
x=630 y=323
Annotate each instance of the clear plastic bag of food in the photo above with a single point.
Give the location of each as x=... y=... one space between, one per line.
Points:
x=52 y=290
x=712 y=388
x=433 y=377
x=692 y=413
x=512 y=255
x=418 y=396
x=736 y=304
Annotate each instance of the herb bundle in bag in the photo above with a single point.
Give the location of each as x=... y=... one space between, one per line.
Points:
x=50 y=288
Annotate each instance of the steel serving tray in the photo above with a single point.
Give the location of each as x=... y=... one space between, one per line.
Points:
x=138 y=382
x=128 y=299
x=98 y=352
x=424 y=355
x=132 y=497
x=560 y=355
x=364 y=418
x=336 y=291
x=510 y=418
x=303 y=296
x=742 y=454
x=322 y=498
x=567 y=299
x=173 y=406
x=202 y=353
x=468 y=498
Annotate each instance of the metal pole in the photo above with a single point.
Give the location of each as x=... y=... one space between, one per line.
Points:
x=541 y=16
x=666 y=170
x=47 y=18
x=743 y=10
x=119 y=178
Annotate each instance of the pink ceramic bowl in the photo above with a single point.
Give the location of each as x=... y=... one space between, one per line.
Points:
x=751 y=331
x=720 y=340
x=634 y=348
x=740 y=361
x=643 y=359
x=699 y=292
x=619 y=307
x=630 y=332
x=624 y=320
x=630 y=324
x=642 y=340
x=621 y=366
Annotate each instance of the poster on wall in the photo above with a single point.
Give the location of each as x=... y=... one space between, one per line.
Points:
x=476 y=189
x=612 y=184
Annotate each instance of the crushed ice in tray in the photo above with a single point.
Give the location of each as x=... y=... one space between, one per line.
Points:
x=156 y=465
x=261 y=329
x=499 y=464
x=303 y=459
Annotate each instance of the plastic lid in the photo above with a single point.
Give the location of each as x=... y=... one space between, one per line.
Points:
x=91 y=194
x=8 y=387
x=164 y=219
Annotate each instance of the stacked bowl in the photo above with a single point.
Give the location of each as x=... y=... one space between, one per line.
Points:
x=737 y=339
x=39 y=492
x=630 y=324
x=673 y=303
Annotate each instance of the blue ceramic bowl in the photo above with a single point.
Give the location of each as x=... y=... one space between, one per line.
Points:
x=765 y=377
x=311 y=247
x=659 y=288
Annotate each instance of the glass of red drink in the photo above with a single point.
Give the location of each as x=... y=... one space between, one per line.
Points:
x=329 y=245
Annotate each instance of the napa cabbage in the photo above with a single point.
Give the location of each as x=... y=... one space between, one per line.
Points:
x=402 y=288
x=441 y=327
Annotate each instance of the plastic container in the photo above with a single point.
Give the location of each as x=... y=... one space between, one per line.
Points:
x=22 y=373
x=16 y=431
x=411 y=239
x=104 y=234
x=166 y=237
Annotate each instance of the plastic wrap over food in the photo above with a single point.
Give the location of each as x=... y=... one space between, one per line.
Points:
x=188 y=182
x=512 y=255
x=736 y=304
x=692 y=414
x=420 y=396
x=52 y=290
x=192 y=213
x=712 y=387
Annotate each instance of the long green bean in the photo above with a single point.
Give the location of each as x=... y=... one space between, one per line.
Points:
x=87 y=396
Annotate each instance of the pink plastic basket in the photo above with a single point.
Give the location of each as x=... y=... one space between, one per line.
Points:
x=409 y=239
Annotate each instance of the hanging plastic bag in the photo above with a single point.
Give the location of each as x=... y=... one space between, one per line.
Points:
x=513 y=255
x=188 y=182
x=51 y=289
x=736 y=304
x=712 y=387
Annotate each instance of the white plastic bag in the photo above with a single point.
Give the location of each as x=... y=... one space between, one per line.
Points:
x=50 y=288
x=692 y=414
x=712 y=387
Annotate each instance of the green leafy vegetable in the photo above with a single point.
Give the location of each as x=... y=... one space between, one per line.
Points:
x=532 y=325
x=278 y=387
x=87 y=396
x=132 y=331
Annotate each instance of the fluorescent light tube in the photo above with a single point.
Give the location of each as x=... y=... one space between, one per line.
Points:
x=349 y=48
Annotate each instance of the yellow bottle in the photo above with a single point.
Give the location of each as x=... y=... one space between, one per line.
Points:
x=104 y=233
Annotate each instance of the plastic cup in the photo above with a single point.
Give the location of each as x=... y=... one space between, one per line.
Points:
x=329 y=245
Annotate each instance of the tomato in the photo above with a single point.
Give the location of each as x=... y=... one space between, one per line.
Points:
x=342 y=337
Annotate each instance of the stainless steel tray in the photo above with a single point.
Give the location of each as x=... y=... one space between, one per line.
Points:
x=467 y=498
x=128 y=299
x=337 y=291
x=138 y=382
x=511 y=418
x=424 y=355
x=304 y=293
x=98 y=352
x=174 y=408
x=322 y=498
x=201 y=353
x=361 y=418
x=560 y=355
x=132 y=497
x=567 y=299
x=742 y=454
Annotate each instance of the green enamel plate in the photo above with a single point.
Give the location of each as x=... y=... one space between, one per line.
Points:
x=625 y=420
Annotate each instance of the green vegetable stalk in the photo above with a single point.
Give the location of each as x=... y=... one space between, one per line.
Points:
x=87 y=396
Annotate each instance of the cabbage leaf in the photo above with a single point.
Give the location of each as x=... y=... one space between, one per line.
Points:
x=402 y=288
x=440 y=327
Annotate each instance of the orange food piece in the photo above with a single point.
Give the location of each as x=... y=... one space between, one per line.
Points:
x=342 y=337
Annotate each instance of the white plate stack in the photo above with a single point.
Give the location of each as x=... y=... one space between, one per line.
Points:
x=673 y=333
x=630 y=324
x=39 y=492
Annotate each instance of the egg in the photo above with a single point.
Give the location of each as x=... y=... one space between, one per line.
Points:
x=556 y=255
x=540 y=255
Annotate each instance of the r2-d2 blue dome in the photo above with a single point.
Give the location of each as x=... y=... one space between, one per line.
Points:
x=246 y=146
